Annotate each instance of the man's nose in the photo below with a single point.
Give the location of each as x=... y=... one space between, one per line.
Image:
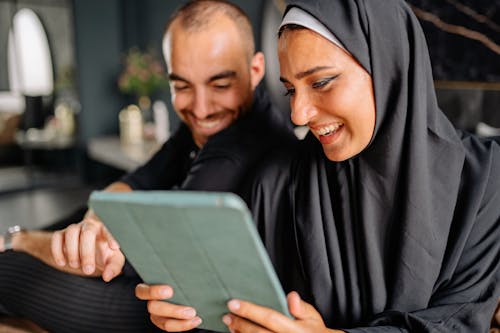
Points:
x=202 y=107
x=303 y=109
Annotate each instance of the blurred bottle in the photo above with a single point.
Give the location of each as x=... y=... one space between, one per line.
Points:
x=131 y=126
x=162 y=124
x=65 y=118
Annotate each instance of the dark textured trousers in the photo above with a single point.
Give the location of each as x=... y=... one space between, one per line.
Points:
x=60 y=302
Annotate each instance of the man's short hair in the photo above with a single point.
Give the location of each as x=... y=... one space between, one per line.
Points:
x=196 y=15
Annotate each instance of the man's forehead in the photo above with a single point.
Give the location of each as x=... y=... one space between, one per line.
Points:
x=206 y=66
x=221 y=33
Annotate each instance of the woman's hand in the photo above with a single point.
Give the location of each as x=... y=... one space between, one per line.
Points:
x=167 y=316
x=248 y=317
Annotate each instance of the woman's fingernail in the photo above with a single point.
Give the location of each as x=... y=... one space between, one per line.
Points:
x=166 y=292
x=189 y=313
x=233 y=305
x=88 y=269
x=227 y=320
x=197 y=321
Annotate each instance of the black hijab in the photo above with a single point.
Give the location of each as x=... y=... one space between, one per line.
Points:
x=405 y=235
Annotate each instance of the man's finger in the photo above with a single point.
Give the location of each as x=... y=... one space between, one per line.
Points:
x=71 y=245
x=113 y=266
x=56 y=247
x=112 y=243
x=87 y=246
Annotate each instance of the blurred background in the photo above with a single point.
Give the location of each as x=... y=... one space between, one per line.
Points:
x=84 y=96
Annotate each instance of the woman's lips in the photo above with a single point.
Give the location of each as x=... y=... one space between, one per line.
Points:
x=328 y=133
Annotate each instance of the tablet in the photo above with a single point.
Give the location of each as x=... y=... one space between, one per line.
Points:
x=203 y=244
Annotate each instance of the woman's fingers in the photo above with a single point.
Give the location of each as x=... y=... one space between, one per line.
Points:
x=174 y=325
x=167 y=316
x=147 y=292
x=300 y=309
x=170 y=310
x=265 y=317
x=238 y=324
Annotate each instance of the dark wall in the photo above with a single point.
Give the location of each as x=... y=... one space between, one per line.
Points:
x=98 y=43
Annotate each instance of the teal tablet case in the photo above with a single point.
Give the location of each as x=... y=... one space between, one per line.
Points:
x=203 y=244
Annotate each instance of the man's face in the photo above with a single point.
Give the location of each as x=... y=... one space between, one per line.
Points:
x=211 y=77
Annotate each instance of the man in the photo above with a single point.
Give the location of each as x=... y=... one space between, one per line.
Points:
x=228 y=125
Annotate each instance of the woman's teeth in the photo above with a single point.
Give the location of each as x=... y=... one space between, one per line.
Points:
x=328 y=130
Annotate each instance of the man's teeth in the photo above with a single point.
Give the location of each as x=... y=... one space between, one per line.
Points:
x=327 y=130
x=208 y=123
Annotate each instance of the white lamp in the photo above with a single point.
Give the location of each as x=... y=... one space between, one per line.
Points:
x=34 y=63
x=30 y=64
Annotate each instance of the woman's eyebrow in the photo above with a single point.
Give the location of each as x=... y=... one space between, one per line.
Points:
x=305 y=73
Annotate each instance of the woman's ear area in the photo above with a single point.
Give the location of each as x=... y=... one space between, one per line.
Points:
x=257 y=68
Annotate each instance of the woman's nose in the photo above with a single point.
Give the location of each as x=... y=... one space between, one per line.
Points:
x=303 y=109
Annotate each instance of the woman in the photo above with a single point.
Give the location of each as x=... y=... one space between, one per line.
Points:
x=387 y=220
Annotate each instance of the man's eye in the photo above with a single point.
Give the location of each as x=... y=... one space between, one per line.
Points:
x=222 y=85
x=180 y=88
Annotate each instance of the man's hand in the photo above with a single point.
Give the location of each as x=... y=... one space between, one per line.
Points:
x=89 y=247
x=248 y=317
x=167 y=316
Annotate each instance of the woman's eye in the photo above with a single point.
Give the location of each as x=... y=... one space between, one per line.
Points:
x=290 y=92
x=323 y=82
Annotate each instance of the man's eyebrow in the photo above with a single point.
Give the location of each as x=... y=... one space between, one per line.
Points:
x=218 y=76
x=175 y=77
x=222 y=75
x=305 y=73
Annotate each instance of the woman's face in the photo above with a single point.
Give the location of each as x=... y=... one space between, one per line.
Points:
x=329 y=91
